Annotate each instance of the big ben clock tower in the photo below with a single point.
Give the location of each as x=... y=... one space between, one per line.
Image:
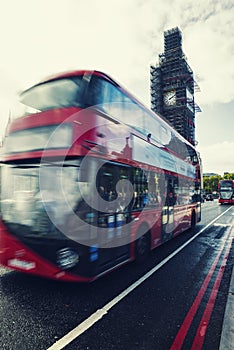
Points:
x=173 y=85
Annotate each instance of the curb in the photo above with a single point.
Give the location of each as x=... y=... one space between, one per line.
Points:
x=227 y=336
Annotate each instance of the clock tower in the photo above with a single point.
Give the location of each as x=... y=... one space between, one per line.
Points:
x=173 y=87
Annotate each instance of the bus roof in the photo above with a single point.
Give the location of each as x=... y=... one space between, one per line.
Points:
x=73 y=73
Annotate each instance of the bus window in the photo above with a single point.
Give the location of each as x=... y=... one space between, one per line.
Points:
x=106 y=179
x=153 y=126
x=114 y=186
x=103 y=93
x=140 y=186
x=172 y=191
x=154 y=197
x=165 y=135
x=186 y=190
x=115 y=103
x=58 y=93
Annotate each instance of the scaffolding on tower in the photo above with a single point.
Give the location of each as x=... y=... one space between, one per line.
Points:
x=173 y=74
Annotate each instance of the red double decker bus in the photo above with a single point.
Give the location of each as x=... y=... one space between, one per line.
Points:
x=91 y=179
x=226 y=191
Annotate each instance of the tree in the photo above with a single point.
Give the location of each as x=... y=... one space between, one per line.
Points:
x=210 y=183
x=228 y=176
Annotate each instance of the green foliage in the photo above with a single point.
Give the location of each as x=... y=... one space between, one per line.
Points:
x=228 y=176
x=210 y=183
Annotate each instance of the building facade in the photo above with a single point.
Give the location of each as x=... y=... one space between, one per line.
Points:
x=173 y=87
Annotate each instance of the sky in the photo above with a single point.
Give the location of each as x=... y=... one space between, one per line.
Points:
x=123 y=38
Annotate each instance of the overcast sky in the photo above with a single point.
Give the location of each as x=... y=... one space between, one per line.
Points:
x=123 y=38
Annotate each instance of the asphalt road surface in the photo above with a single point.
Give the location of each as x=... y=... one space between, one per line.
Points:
x=175 y=300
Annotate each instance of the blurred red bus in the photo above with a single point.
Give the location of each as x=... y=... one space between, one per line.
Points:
x=91 y=179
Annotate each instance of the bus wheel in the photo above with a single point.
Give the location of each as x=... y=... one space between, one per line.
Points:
x=193 y=220
x=142 y=248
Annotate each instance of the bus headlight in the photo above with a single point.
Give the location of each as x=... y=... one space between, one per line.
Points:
x=67 y=258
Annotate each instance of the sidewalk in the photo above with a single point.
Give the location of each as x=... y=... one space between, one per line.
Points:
x=227 y=336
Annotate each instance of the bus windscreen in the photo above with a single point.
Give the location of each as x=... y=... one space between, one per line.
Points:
x=58 y=93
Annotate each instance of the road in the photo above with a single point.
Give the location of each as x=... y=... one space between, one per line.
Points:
x=175 y=300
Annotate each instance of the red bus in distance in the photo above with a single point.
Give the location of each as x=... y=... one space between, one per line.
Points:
x=91 y=179
x=226 y=191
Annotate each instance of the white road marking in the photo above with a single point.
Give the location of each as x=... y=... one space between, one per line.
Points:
x=222 y=225
x=96 y=316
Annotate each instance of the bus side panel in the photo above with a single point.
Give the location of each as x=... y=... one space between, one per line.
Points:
x=181 y=219
x=150 y=220
x=155 y=221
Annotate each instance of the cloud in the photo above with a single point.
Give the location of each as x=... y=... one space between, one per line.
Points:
x=210 y=48
x=218 y=158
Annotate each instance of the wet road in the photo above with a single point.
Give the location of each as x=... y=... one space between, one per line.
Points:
x=175 y=300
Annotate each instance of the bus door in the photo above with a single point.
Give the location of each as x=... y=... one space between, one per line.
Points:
x=169 y=199
x=112 y=184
